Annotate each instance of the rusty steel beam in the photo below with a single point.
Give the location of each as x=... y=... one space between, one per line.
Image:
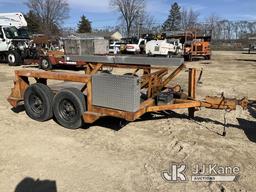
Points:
x=63 y=76
x=185 y=105
x=192 y=84
x=224 y=103
x=96 y=112
x=17 y=92
x=192 y=90
x=174 y=74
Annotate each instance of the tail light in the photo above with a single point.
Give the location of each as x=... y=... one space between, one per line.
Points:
x=130 y=47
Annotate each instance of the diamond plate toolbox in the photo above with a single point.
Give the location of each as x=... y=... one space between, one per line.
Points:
x=120 y=92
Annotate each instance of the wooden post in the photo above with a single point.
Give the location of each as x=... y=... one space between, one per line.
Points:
x=192 y=90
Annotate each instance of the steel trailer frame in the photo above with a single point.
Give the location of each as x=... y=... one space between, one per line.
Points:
x=154 y=80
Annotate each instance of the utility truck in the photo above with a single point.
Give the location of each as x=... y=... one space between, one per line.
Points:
x=14 y=38
x=167 y=47
x=194 y=45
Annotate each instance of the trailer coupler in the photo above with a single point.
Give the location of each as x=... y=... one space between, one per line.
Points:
x=224 y=103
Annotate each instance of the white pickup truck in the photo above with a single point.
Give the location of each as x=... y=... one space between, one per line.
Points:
x=114 y=47
x=137 y=46
x=14 y=38
x=167 y=47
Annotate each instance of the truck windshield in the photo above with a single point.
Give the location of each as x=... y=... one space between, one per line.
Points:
x=172 y=41
x=14 y=33
x=23 y=33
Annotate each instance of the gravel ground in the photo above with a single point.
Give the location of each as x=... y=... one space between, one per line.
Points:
x=105 y=157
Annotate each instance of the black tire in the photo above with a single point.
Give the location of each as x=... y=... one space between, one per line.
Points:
x=45 y=64
x=14 y=58
x=38 y=99
x=68 y=107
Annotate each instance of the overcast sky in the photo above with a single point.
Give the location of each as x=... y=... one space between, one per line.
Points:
x=101 y=15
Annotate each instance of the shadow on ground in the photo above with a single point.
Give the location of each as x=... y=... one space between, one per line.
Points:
x=18 y=109
x=252 y=53
x=30 y=185
x=116 y=124
x=249 y=127
x=248 y=60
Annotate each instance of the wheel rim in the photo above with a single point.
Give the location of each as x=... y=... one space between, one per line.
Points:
x=67 y=110
x=36 y=104
x=11 y=58
x=45 y=64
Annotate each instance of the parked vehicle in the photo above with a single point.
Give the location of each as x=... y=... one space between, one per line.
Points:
x=252 y=47
x=194 y=45
x=14 y=38
x=197 y=48
x=167 y=47
x=137 y=46
x=114 y=47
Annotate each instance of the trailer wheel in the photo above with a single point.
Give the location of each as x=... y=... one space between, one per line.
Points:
x=14 y=58
x=68 y=107
x=38 y=100
x=45 y=64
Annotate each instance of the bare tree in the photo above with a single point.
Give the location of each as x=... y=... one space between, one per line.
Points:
x=130 y=10
x=230 y=30
x=143 y=24
x=51 y=13
x=149 y=24
x=252 y=27
x=236 y=30
x=189 y=19
x=211 y=25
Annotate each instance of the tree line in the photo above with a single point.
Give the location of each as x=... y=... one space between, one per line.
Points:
x=48 y=16
x=180 y=19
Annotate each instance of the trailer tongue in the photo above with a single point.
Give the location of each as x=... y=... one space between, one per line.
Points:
x=128 y=96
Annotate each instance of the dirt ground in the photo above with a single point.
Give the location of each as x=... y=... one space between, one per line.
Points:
x=105 y=157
